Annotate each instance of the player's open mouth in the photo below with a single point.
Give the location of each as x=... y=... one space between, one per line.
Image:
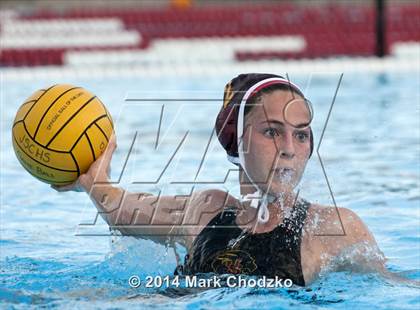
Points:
x=285 y=174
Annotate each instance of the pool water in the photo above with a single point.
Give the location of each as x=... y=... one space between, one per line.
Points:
x=54 y=253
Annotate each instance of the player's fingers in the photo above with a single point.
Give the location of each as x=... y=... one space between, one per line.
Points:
x=109 y=151
x=65 y=188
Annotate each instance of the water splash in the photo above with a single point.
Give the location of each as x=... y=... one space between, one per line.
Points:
x=286 y=175
x=360 y=257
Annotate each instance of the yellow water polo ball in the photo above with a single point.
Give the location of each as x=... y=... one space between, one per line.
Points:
x=59 y=131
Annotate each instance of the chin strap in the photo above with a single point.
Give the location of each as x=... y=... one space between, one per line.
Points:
x=260 y=200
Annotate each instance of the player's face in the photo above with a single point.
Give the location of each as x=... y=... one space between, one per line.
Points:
x=276 y=142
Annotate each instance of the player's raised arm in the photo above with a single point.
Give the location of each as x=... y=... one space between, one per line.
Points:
x=159 y=218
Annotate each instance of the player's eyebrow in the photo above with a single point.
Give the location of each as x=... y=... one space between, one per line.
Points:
x=273 y=121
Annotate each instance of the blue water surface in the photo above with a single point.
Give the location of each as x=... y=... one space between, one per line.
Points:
x=54 y=253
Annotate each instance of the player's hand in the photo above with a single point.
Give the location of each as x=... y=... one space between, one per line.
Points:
x=98 y=172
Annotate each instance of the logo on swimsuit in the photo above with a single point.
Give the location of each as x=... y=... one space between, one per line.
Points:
x=233 y=261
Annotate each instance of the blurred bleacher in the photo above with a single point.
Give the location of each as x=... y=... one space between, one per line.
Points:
x=195 y=32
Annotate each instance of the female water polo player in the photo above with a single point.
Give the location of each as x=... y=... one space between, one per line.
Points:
x=264 y=126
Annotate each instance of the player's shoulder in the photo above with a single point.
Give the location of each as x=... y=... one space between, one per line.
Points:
x=334 y=220
x=207 y=203
x=215 y=199
x=327 y=211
